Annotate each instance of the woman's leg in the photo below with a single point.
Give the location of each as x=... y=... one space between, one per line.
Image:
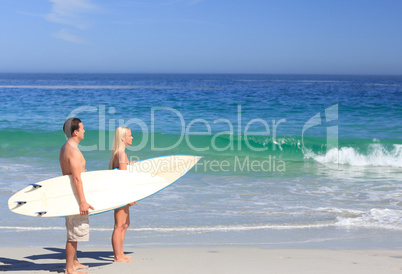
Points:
x=127 y=224
x=121 y=215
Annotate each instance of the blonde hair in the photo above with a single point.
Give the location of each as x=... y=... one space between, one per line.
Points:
x=119 y=134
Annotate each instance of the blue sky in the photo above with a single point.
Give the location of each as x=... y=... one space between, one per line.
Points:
x=201 y=36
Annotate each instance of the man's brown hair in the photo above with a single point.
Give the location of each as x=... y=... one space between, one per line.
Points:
x=70 y=125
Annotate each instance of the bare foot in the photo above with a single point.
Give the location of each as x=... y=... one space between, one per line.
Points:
x=128 y=257
x=72 y=272
x=122 y=260
x=77 y=265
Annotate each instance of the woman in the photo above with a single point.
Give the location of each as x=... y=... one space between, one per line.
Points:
x=119 y=160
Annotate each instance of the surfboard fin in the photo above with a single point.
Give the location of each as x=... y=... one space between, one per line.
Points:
x=41 y=213
x=35 y=186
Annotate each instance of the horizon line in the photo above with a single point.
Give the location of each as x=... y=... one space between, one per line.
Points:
x=212 y=73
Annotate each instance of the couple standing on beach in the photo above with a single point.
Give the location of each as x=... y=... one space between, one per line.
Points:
x=72 y=162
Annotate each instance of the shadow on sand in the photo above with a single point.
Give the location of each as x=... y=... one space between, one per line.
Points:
x=8 y=264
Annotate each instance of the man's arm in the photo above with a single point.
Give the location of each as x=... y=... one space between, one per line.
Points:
x=75 y=164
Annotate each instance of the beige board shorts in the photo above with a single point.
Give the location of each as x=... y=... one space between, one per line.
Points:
x=77 y=228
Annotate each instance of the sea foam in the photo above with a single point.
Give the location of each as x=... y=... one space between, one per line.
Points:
x=375 y=218
x=377 y=155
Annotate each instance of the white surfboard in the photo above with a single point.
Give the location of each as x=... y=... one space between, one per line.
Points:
x=104 y=189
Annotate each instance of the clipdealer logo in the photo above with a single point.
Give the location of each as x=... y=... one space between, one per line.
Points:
x=186 y=130
x=332 y=143
x=196 y=127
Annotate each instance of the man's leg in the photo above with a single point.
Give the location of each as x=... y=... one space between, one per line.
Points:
x=71 y=252
x=77 y=230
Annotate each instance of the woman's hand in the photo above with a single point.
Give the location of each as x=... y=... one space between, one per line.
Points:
x=133 y=203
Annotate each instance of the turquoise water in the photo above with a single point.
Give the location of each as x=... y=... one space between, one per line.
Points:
x=282 y=154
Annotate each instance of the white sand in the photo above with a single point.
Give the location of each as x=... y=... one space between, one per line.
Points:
x=206 y=260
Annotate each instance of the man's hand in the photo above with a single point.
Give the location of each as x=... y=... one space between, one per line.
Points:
x=84 y=208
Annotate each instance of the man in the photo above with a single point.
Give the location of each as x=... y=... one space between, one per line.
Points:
x=72 y=162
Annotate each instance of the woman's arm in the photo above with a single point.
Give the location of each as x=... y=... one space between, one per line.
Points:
x=120 y=160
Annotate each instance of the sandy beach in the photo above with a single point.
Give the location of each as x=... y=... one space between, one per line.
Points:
x=205 y=260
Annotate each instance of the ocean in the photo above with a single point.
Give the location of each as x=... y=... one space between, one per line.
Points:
x=288 y=160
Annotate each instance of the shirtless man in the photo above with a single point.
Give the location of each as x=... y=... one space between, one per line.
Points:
x=72 y=162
